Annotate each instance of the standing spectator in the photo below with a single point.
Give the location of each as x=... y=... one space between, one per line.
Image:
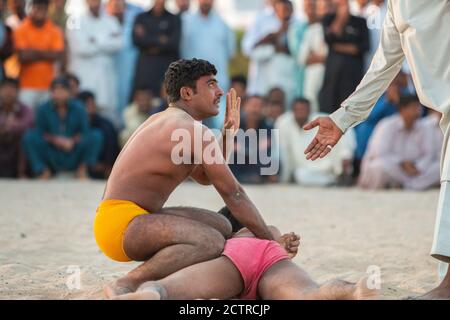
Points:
x=15 y=118
x=13 y=21
x=207 y=36
x=399 y=153
x=250 y=149
x=293 y=140
x=276 y=67
x=347 y=37
x=182 y=6
x=110 y=149
x=137 y=113
x=6 y=43
x=313 y=51
x=17 y=13
x=58 y=13
x=62 y=139
x=265 y=22
x=93 y=46
x=39 y=45
x=127 y=57
x=385 y=107
x=157 y=35
x=296 y=34
x=59 y=17
x=374 y=12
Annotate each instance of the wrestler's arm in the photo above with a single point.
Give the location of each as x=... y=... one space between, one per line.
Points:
x=234 y=196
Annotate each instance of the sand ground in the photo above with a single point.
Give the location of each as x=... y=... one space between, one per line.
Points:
x=46 y=235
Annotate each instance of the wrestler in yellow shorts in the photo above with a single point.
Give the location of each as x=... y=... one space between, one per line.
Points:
x=111 y=222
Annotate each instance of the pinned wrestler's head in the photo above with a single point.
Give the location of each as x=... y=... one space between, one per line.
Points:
x=192 y=85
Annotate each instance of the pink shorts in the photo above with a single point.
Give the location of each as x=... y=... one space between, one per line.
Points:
x=252 y=257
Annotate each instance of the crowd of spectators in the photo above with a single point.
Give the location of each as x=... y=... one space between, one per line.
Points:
x=73 y=91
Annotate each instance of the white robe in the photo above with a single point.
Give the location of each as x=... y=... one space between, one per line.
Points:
x=267 y=68
x=313 y=41
x=93 y=43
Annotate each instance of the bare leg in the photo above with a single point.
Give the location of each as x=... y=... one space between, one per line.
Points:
x=167 y=243
x=210 y=218
x=287 y=281
x=214 y=279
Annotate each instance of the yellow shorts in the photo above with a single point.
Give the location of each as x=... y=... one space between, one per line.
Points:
x=111 y=221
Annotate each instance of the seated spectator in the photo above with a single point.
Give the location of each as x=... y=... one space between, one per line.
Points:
x=62 y=139
x=40 y=45
x=110 y=149
x=135 y=114
x=331 y=170
x=74 y=85
x=250 y=149
x=399 y=152
x=274 y=106
x=15 y=118
x=385 y=107
x=239 y=83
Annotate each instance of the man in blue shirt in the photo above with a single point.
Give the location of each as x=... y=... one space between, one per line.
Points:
x=206 y=36
x=61 y=139
x=126 y=58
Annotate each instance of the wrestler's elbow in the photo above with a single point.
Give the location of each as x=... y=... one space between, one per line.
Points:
x=231 y=193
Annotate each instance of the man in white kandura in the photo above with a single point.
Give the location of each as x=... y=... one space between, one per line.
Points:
x=417 y=30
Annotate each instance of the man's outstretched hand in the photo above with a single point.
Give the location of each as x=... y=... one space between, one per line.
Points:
x=326 y=138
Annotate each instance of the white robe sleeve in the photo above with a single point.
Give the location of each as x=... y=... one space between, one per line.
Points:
x=385 y=66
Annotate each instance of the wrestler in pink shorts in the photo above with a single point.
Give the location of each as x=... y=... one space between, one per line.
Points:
x=253 y=257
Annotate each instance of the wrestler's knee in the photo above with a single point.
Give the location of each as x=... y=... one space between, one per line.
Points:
x=211 y=243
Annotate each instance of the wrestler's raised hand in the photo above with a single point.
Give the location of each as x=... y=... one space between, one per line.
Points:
x=290 y=242
x=233 y=112
x=326 y=138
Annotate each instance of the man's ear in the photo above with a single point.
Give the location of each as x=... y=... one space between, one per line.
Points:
x=186 y=93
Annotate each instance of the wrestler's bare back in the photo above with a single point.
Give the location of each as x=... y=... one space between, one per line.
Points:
x=144 y=172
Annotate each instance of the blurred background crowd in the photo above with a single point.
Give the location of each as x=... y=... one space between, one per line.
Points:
x=74 y=87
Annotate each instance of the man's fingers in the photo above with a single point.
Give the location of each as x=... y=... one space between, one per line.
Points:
x=233 y=98
x=325 y=152
x=294 y=244
x=311 y=145
x=228 y=106
x=311 y=125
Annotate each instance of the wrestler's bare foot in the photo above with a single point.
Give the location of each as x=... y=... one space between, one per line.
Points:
x=343 y=290
x=363 y=292
x=148 y=291
x=117 y=288
x=290 y=242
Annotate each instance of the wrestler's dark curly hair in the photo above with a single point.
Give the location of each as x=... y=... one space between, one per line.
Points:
x=185 y=73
